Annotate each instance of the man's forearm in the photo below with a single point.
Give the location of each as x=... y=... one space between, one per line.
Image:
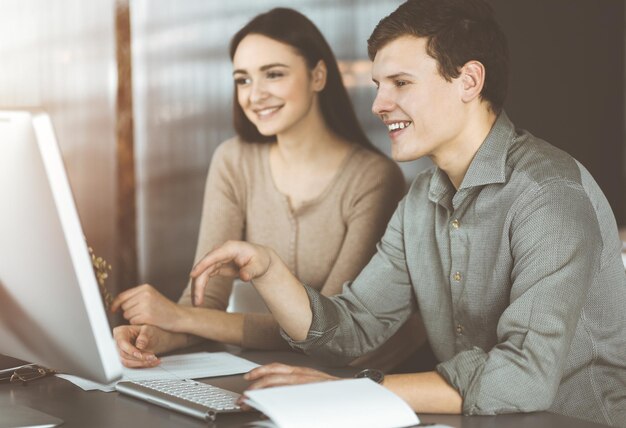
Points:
x=286 y=298
x=425 y=392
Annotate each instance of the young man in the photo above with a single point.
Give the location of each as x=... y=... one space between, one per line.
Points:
x=507 y=247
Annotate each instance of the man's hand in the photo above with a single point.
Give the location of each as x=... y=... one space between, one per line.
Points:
x=139 y=345
x=145 y=305
x=283 y=294
x=233 y=258
x=277 y=374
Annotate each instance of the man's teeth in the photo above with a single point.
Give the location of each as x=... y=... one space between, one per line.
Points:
x=398 y=125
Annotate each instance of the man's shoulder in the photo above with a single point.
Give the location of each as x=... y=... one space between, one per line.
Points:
x=535 y=161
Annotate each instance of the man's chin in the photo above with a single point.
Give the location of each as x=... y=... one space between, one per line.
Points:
x=404 y=157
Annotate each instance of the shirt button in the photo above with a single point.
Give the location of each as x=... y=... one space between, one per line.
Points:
x=456 y=223
x=459 y=329
x=457 y=276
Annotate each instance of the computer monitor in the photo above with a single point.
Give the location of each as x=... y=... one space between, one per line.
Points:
x=51 y=312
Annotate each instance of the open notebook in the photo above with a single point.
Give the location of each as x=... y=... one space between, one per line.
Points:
x=347 y=403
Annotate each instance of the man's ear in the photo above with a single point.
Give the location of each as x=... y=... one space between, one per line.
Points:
x=472 y=80
x=319 y=74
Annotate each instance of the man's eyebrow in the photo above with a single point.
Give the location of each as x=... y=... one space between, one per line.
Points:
x=262 y=68
x=401 y=74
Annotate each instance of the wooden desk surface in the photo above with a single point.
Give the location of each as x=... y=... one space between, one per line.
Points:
x=81 y=409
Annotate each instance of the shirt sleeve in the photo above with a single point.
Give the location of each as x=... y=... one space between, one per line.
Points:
x=369 y=310
x=556 y=244
x=223 y=218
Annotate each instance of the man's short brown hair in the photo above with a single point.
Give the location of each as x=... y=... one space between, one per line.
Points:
x=458 y=31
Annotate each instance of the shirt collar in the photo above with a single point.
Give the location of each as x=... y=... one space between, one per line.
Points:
x=488 y=165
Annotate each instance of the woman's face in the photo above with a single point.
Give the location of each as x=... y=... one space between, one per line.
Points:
x=275 y=88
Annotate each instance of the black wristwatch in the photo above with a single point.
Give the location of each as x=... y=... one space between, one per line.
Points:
x=373 y=374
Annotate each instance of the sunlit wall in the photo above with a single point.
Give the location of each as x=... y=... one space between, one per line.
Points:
x=60 y=56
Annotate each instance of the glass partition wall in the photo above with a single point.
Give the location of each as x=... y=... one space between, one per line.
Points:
x=567 y=85
x=183 y=94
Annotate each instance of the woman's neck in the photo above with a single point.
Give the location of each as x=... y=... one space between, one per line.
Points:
x=309 y=142
x=309 y=149
x=304 y=161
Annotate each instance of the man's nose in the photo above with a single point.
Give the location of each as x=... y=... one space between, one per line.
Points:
x=383 y=103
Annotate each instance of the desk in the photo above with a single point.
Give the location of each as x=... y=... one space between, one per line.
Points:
x=95 y=409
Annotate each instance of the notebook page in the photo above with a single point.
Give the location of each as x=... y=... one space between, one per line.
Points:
x=333 y=404
x=185 y=366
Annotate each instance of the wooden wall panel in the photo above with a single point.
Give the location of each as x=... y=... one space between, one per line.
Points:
x=126 y=213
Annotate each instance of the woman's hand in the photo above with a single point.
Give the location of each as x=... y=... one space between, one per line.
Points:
x=139 y=345
x=233 y=258
x=145 y=305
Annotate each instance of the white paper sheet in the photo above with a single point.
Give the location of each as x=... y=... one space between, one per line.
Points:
x=334 y=404
x=186 y=366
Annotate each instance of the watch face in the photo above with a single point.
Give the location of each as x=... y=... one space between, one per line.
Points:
x=373 y=374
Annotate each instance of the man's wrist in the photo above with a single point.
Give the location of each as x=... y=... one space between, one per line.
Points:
x=270 y=275
x=372 y=374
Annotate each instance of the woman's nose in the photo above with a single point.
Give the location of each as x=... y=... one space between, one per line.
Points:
x=258 y=92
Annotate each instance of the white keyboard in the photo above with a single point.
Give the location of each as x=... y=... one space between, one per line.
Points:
x=187 y=396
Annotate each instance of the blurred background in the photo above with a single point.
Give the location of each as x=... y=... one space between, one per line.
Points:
x=140 y=94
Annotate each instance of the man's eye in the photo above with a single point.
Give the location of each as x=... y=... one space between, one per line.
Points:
x=240 y=81
x=400 y=83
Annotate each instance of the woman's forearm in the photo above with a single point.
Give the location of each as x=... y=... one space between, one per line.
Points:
x=212 y=324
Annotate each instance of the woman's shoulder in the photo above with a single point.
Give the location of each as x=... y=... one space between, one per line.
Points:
x=372 y=180
x=374 y=174
x=373 y=165
x=236 y=150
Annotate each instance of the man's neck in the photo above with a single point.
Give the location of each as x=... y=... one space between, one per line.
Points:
x=456 y=158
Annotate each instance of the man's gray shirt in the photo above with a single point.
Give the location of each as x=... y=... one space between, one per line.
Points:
x=517 y=276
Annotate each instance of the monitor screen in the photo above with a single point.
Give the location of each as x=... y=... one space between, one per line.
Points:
x=51 y=311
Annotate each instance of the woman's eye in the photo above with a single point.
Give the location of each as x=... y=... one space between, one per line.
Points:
x=400 y=83
x=240 y=81
x=274 y=74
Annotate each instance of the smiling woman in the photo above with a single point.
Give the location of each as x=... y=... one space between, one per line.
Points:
x=301 y=177
x=275 y=89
